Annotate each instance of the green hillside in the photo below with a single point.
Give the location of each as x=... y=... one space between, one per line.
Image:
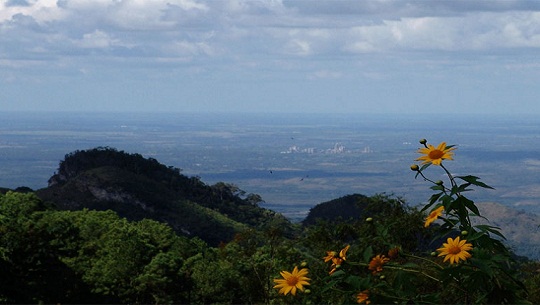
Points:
x=139 y=188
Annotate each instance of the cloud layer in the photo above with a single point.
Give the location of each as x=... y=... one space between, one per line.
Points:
x=247 y=36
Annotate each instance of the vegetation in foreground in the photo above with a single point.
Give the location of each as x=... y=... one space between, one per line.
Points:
x=372 y=250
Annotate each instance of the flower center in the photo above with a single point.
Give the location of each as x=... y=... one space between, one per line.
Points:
x=291 y=281
x=436 y=154
x=454 y=250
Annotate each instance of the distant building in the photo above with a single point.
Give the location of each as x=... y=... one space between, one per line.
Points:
x=338 y=149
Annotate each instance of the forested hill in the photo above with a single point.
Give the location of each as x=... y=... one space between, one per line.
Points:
x=137 y=188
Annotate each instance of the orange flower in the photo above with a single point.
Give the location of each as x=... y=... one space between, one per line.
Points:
x=337 y=259
x=393 y=253
x=334 y=269
x=330 y=255
x=433 y=216
x=376 y=263
x=363 y=297
x=343 y=252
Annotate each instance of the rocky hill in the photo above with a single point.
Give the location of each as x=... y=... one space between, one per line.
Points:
x=136 y=188
x=520 y=228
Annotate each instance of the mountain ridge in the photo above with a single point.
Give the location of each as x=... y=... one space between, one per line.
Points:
x=138 y=188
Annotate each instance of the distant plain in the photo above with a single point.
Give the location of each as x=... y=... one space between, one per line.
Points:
x=292 y=161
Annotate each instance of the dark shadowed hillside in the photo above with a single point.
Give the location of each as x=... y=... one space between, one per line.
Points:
x=355 y=207
x=137 y=188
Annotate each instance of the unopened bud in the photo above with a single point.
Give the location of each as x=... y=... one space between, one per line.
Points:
x=464 y=232
x=369 y=219
x=382 y=277
x=423 y=141
x=303 y=264
x=415 y=168
x=307 y=291
x=439 y=182
x=433 y=253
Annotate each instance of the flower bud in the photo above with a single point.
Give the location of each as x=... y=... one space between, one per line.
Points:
x=303 y=264
x=433 y=253
x=369 y=219
x=382 y=277
x=307 y=291
x=464 y=232
x=423 y=141
x=415 y=168
x=439 y=182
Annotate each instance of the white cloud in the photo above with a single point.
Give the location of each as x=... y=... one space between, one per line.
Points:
x=484 y=32
x=325 y=74
x=42 y=11
x=96 y=40
x=306 y=28
x=329 y=40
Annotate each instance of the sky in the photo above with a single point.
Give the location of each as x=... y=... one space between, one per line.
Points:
x=297 y=56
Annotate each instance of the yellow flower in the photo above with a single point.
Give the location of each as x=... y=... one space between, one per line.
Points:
x=454 y=250
x=292 y=281
x=436 y=155
x=363 y=297
x=376 y=263
x=433 y=216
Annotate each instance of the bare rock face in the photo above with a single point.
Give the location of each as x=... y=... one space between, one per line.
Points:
x=117 y=196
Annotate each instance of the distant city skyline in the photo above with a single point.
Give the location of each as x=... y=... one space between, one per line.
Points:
x=296 y=56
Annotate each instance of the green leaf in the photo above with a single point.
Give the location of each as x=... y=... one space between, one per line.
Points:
x=437 y=188
x=338 y=273
x=492 y=229
x=474 y=180
x=462 y=188
x=356 y=282
x=432 y=200
x=410 y=265
x=368 y=254
x=469 y=204
x=425 y=166
x=483 y=266
x=447 y=202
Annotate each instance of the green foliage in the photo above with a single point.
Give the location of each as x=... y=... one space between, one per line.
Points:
x=138 y=188
x=484 y=274
x=353 y=247
x=88 y=256
x=397 y=224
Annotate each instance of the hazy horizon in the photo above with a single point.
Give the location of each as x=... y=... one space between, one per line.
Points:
x=290 y=160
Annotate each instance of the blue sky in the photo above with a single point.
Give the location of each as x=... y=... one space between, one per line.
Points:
x=366 y=56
